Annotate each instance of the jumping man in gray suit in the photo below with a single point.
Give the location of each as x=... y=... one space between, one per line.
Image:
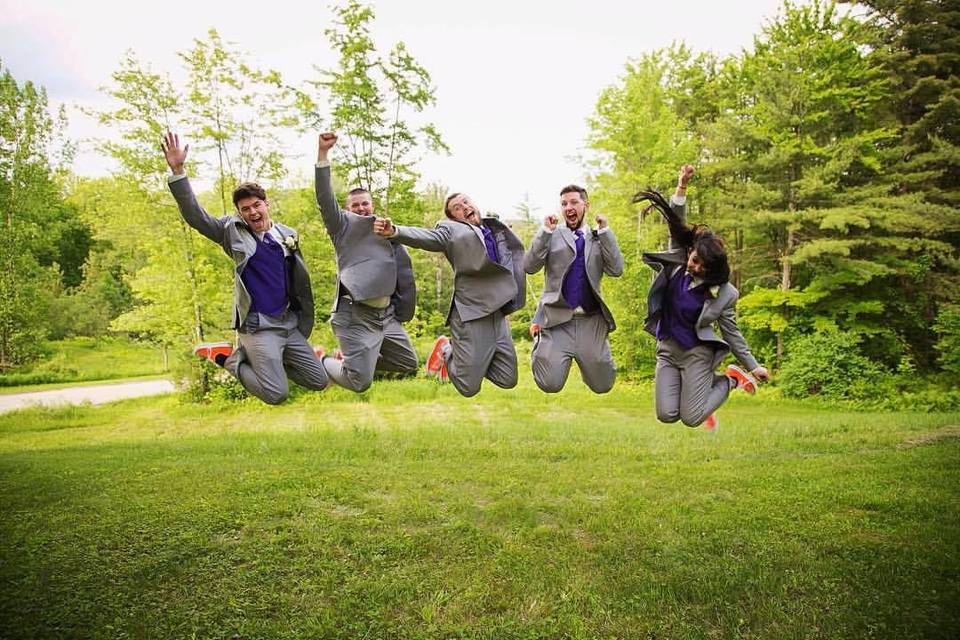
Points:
x=691 y=293
x=489 y=284
x=273 y=303
x=572 y=321
x=375 y=287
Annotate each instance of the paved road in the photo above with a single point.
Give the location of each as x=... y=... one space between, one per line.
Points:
x=95 y=394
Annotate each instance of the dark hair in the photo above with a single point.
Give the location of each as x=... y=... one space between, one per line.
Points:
x=708 y=245
x=570 y=188
x=248 y=190
x=356 y=191
x=712 y=253
x=446 y=203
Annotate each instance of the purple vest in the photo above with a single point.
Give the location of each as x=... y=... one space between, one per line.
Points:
x=576 y=288
x=681 y=310
x=265 y=277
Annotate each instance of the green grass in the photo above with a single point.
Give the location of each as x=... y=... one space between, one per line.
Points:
x=88 y=359
x=409 y=512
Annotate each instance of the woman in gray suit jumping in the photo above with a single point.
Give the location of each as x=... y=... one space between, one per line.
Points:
x=690 y=294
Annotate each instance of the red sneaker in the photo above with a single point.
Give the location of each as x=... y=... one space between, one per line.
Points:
x=711 y=424
x=745 y=381
x=436 y=363
x=444 y=376
x=215 y=352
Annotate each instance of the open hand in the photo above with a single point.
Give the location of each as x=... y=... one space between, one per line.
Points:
x=174 y=154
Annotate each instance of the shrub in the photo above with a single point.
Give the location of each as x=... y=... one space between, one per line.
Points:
x=947 y=327
x=831 y=365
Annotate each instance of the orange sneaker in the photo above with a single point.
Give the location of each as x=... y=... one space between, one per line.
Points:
x=712 y=423
x=745 y=381
x=215 y=352
x=436 y=363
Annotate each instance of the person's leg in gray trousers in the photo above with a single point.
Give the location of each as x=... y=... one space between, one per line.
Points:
x=370 y=339
x=584 y=339
x=481 y=348
x=686 y=386
x=267 y=357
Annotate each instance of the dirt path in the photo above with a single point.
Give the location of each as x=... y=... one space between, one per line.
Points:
x=96 y=394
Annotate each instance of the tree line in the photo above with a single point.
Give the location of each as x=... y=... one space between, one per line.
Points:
x=827 y=157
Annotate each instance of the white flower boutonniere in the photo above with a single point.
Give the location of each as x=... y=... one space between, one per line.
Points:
x=292 y=242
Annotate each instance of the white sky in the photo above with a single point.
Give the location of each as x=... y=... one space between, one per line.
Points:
x=515 y=80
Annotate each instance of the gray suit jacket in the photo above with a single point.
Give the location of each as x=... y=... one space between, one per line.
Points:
x=367 y=265
x=557 y=251
x=720 y=309
x=480 y=285
x=238 y=242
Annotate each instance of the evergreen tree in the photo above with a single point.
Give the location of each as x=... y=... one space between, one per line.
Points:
x=802 y=137
x=917 y=42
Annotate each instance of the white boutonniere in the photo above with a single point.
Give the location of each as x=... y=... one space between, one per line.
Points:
x=292 y=242
x=715 y=291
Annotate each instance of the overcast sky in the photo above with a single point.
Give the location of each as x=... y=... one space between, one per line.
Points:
x=515 y=80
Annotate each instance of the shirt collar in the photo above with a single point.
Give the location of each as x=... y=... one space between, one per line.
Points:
x=696 y=282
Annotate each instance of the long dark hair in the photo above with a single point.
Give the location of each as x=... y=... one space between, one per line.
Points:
x=698 y=237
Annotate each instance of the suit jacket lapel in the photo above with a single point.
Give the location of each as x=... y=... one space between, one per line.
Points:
x=568 y=237
x=588 y=241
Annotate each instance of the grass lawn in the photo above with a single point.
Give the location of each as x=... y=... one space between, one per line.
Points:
x=409 y=512
x=87 y=359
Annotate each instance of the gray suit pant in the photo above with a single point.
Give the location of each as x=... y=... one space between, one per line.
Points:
x=687 y=388
x=481 y=348
x=582 y=338
x=267 y=357
x=371 y=340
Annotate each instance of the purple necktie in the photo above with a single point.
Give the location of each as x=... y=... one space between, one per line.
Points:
x=575 y=288
x=491 y=245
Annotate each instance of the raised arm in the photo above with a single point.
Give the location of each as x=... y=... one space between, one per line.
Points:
x=536 y=255
x=333 y=217
x=193 y=214
x=609 y=249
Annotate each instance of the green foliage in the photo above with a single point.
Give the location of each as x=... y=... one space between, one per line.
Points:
x=85 y=359
x=371 y=99
x=830 y=364
x=642 y=136
x=44 y=242
x=235 y=112
x=947 y=327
